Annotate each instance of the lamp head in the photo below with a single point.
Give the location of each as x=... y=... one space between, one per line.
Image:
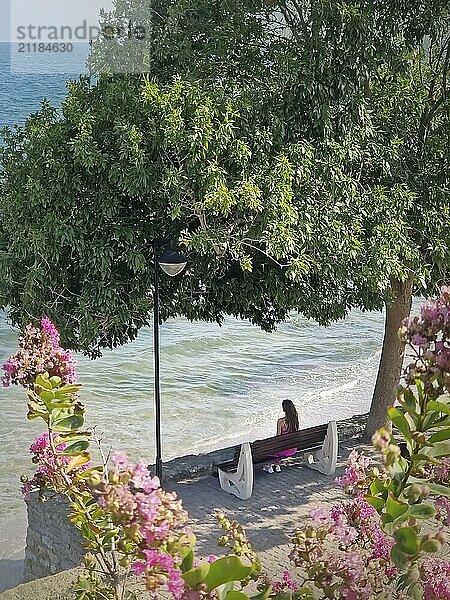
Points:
x=172 y=262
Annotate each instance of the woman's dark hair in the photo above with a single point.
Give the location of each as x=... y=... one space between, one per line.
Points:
x=291 y=415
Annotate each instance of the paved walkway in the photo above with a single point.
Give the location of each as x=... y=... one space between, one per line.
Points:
x=280 y=502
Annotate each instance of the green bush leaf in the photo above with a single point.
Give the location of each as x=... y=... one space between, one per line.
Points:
x=408 y=402
x=439 y=449
x=420 y=458
x=70 y=423
x=375 y=501
x=377 y=486
x=440 y=436
x=188 y=561
x=55 y=381
x=440 y=490
x=400 y=421
x=43 y=381
x=394 y=507
x=225 y=569
x=439 y=407
x=421 y=511
x=264 y=594
x=47 y=396
x=399 y=558
x=407 y=540
x=234 y=595
x=69 y=388
x=76 y=448
x=193 y=577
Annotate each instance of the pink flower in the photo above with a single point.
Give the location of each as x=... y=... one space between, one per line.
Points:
x=436 y=579
x=39 y=352
x=419 y=340
x=442 y=506
x=49 y=328
x=355 y=474
x=142 y=478
x=286 y=583
x=175 y=584
x=320 y=516
x=138 y=567
x=120 y=460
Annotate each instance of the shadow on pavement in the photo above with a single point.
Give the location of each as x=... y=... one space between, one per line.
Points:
x=10 y=573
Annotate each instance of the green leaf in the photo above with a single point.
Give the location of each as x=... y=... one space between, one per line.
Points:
x=420 y=458
x=43 y=381
x=76 y=448
x=375 y=501
x=439 y=407
x=234 y=595
x=70 y=388
x=407 y=540
x=377 y=486
x=439 y=449
x=226 y=569
x=223 y=590
x=55 y=381
x=394 y=507
x=47 y=396
x=194 y=577
x=421 y=511
x=399 y=420
x=399 y=558
x=188 y=561
x=439 y=490
x=264 y=594
x=70 y=423
x=409 y=401
x=440 y=436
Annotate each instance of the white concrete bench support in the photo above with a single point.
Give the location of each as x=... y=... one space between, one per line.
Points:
x=240 y=483
x=324 y=460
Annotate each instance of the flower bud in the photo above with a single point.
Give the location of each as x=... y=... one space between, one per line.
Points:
x=441 y=537
x=125 y=562
x=413 y=573
x=95 y=478
x=430 y=543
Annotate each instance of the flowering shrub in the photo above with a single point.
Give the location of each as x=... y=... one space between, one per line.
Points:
x=373 y=545
x=39 y=352
x=49 y=458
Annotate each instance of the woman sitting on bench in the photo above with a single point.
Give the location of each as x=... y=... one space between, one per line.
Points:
x=287 y=424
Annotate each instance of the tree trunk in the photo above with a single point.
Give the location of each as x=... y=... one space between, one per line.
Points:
x=392 y=355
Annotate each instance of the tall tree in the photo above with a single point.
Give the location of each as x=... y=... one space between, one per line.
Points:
x=322 y=70
x=85 y=193
x=280 y=180
x=412 y=113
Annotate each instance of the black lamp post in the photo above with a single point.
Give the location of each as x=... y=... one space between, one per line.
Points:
x=172 y=262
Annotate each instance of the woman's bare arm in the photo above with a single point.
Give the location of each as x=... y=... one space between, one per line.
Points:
x=279 y=426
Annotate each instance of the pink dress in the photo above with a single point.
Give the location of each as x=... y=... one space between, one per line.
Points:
x=284 y=453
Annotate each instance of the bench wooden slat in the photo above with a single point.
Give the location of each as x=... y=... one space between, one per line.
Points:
x=262 y=450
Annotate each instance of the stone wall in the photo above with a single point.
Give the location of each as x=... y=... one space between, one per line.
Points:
x=55 y=545
x=53 y=542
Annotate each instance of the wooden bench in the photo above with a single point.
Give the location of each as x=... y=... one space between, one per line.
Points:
x=318 y=446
